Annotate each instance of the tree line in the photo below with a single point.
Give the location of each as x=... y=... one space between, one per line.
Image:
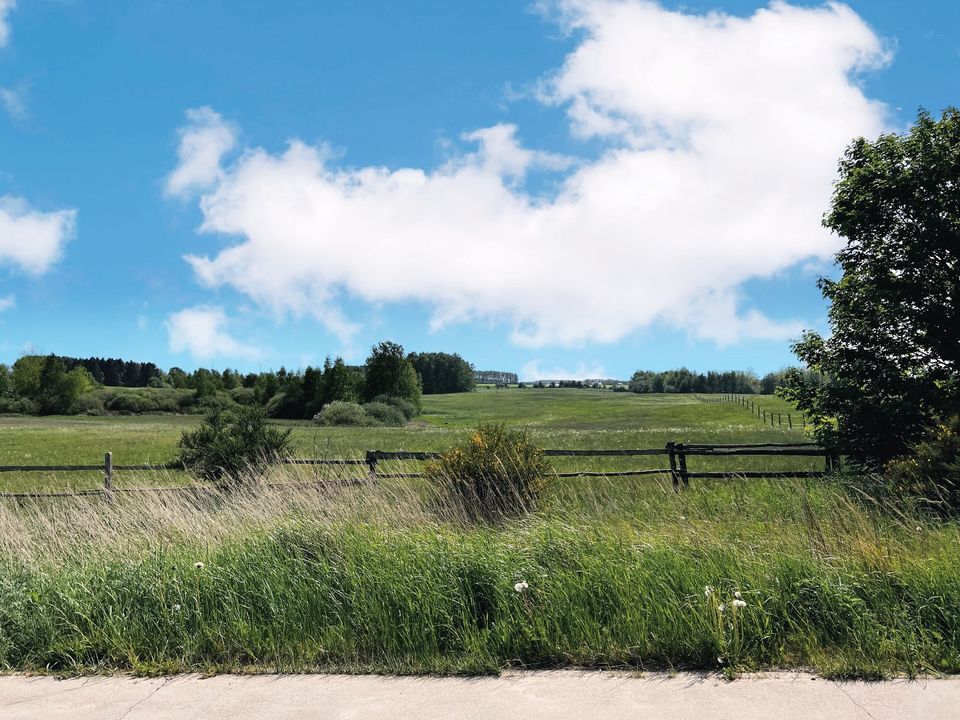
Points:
x=52 y=384
x=741 y=382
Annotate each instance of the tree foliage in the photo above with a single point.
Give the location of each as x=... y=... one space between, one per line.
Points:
x=893 y=354
x=683 y=380
x=443 y=373
x=390 y=372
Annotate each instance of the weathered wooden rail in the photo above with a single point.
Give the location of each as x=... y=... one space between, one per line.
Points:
x=677 y=454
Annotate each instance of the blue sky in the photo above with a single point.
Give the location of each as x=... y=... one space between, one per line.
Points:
x=574 y=188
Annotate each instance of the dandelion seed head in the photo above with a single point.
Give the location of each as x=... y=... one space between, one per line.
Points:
x=738 y=603
x=521 y=586
x=708 y=591
x=737 y=594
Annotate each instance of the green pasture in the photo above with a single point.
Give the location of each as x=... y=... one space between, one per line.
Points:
x=730 y=575
x=558 y=418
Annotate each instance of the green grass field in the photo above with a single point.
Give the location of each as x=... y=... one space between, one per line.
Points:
x=558 y=418
x=728 y=575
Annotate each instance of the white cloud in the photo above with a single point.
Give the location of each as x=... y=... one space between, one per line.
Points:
x=30 y=239
x=201 y=331
x=6 y=6
x=7 y=302
x=203 y=142
x=533 y=371
x=13 y=103
x=723 y=137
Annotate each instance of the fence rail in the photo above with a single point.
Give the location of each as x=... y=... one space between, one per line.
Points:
x=776 y=419
x=677 y=454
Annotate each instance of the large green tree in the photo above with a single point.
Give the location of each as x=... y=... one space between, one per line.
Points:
x=390 y=372
x=893 y=354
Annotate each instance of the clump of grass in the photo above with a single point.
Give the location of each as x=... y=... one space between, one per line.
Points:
x=360 y=577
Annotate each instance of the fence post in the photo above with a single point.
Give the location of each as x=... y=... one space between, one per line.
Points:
x=673 y=466
x=372 y=465
x=764 y=416
x=789 y=421
x=684 y=478
x=780 y=420
x=108 y=474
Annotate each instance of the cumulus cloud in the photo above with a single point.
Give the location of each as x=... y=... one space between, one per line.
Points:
x=722 y=135
x=201 y=331
x=6 y=6
x=32 y=240
x=533 y=370
x=204 y=141
x=7 y=302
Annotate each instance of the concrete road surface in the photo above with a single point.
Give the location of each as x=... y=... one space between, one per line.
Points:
x=518 y=696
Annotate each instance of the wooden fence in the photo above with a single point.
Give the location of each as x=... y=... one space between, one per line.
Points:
x=676 y=453
x=776 y=419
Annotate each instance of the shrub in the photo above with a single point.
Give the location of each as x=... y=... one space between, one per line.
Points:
x=233 y=445
x=218 y=402
x=90 y=404
x=408 y=408
x=931 y=471
x=384 y=413
x=342 y=413
x=496 y=474
x=129 y=404
x=22 y=406
x=243 y=396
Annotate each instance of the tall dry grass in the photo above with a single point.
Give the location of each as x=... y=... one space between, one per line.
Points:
x=391 y=577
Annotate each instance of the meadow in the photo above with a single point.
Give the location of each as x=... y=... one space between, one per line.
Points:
x=557 y=418
x=728 y=575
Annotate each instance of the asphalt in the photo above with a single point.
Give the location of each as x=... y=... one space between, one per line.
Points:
x=518 y=696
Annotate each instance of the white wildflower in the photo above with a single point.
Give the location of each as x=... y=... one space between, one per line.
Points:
x=199 y=565
x=737 y=594
x=520 y=586
x=708 y=591
x=738 y=603
x=176 y=608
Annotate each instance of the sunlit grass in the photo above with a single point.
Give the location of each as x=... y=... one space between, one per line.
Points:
x=385 y=578
x=557 y=418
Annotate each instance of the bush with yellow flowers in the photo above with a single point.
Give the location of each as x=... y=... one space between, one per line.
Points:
x=495 y=474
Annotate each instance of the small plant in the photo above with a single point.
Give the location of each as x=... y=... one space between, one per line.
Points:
x=340 y=412
x=234 y=445
x=496 y=474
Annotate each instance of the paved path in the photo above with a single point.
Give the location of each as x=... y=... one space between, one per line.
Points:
x=517 y=696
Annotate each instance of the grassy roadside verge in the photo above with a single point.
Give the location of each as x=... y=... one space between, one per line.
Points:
x=378 y=580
